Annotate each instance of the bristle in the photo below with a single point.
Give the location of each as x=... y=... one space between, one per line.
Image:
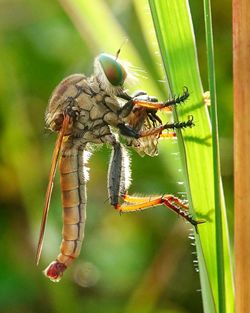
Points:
x=126 y=168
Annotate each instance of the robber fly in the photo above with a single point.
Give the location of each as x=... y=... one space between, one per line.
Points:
x=97 y=110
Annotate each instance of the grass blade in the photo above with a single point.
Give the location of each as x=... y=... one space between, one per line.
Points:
x=175 y=35
x=216 y=156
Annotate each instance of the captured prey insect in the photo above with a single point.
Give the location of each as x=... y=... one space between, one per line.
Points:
x=94 y=110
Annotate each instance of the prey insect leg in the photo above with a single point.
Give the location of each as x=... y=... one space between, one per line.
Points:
x=128 y=131
x=163 y=105
x=159 y=129
x=168 y=135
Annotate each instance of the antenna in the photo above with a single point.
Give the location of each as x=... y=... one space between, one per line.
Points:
x=119 y=50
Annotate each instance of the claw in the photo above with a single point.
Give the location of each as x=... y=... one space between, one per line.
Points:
x=184 y=96
x=195 y=223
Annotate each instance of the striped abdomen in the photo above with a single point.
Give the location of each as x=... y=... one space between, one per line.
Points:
x=73 y=186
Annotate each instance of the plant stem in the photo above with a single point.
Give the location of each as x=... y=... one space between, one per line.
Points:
x=241 y=54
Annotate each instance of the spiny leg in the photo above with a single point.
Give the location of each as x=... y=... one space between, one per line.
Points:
x=149 y=102
x=128 y=131
x=162 y=105
x=136 y=199
x=134 y=203
x=159 y=129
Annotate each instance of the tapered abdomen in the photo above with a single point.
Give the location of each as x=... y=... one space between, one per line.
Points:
x=73 y=187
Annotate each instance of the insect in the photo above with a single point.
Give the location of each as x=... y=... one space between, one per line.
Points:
x=96 y=110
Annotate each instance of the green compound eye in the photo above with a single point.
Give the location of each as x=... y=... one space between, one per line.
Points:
x=113 y=70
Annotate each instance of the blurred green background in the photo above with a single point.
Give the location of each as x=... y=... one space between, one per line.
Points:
x=143 y=262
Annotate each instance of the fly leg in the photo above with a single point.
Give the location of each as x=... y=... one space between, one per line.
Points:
x=118 y=174
x=118 y=183
x=135 y=203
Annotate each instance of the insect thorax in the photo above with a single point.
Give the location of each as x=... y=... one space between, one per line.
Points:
x=94 y=107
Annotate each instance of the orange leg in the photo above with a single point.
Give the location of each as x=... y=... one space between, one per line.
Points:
x=152 y=105
x=158 y=130
x=171 y=198
x=134 y=203
x=168 y=135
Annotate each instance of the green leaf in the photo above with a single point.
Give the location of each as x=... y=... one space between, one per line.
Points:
x=176 y=40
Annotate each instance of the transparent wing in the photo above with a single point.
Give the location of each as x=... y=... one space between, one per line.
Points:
x=54 y=162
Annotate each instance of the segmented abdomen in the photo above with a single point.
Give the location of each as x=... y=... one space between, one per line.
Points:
x=73 y=186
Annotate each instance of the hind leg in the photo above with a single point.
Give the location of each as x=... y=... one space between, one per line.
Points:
x=135 y=203
x=118 y=184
